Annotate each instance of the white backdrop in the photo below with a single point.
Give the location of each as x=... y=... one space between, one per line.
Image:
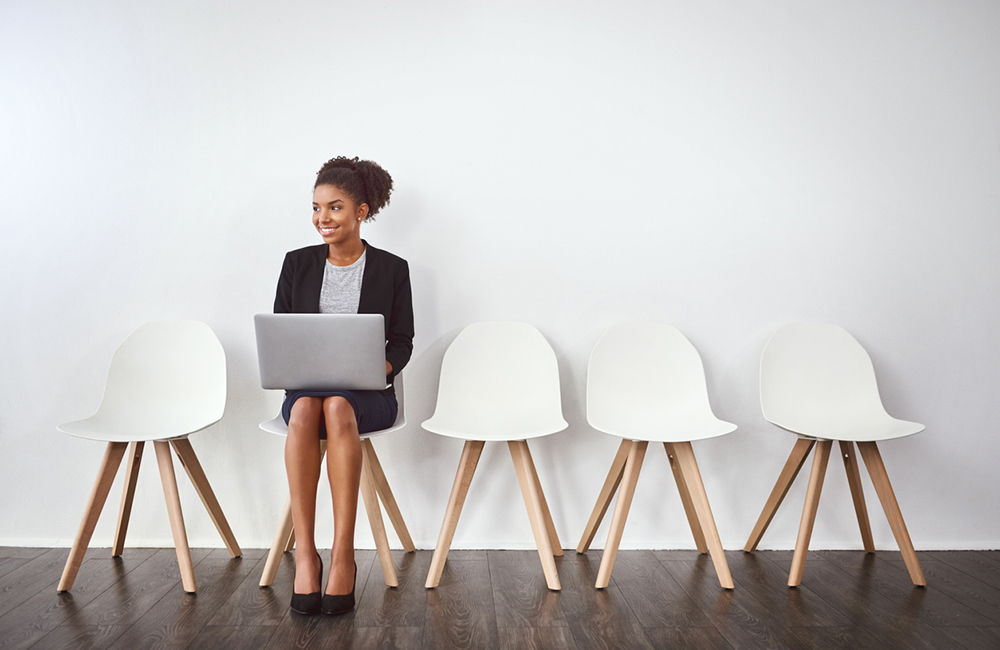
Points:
x=723 y=166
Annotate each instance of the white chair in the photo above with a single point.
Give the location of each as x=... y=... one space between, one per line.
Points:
x=818 y=382
x=499 y=382
x=373 y=486
x=166 y=381
x=646 y=383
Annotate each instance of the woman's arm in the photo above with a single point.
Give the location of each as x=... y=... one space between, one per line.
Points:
x=283 y=294
x=399 y=333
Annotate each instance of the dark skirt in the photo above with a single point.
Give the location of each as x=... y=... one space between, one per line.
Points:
x=375 y=410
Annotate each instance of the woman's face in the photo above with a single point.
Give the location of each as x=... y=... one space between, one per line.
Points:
x=336 y=215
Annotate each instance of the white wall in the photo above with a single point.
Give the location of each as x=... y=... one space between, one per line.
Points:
x=724 y=166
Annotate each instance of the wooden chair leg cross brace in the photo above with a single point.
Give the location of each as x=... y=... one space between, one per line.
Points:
x=106 y=476
x=542 y=527
x=880 y=479
x=625 y=473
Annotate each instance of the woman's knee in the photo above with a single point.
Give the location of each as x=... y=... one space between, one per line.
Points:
x=305 y=415
x=340 y=417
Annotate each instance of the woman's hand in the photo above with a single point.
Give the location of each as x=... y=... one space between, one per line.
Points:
x=388 y=368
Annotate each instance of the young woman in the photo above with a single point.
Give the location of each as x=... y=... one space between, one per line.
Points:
x=343 y=275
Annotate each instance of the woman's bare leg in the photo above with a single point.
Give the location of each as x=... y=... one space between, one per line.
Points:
x=343 y=464
x=302 y=463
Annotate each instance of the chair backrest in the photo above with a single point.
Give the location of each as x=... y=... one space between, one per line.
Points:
x=646 y=381
x=817 y=380
x=499 y=381
x=277 y=425
x=168 y=378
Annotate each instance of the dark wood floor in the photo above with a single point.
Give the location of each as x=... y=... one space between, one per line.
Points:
x=498 y=599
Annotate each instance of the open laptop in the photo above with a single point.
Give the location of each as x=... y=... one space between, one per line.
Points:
x=321 y=351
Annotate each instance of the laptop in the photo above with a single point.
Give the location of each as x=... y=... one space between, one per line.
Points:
x=321 y=351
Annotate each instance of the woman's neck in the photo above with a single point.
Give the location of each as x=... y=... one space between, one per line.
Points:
x=346 y=253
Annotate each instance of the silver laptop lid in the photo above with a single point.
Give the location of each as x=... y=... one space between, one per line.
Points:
x=321 y=351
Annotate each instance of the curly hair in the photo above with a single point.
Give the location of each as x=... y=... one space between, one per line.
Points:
x=363 y=180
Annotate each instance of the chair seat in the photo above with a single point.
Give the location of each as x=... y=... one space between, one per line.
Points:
x=108 y=430
x=838 y=427
x=677 y=431
x=496 y=430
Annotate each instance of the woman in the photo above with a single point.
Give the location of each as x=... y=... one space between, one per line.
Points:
x=343 y=275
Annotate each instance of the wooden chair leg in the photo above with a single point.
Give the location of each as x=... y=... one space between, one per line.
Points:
x=546 y=515
x=880 y=479
x=604 y=498
x=691 y=477
x=466 y=468
x=857 y=493
x=388 y=500
x=689 y=509
x=370 y=496
x=169 y=480
x=533 y=503
x=636 y=452
x=189 y=461
x=290 y=540
x=98 y=495
x=788 y=473
x=128 y=493
x=277 y=547
x=816 y=476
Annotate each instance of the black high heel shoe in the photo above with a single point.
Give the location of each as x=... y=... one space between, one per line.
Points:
x=333 y=605
x=308 y=604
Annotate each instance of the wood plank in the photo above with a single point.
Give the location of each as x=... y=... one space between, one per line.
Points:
x=976 y=564
x=688 y=638
x=521 y=597
x=232 y=637
x=975 y=638
x=739 y=616
x=460 y=611
x=403 y=607
x=25 y=581
x=251 y=604
x=835 y=638
x=799 y=607
x=787 y=476
x=177 y=619
x=652 y=593
x=608 y=490
x=26 y=624
x=80 y=637
x=960 y=586
x=536 y=638
x=886 y=577
x=136 y=592
x=598 y=618
x=895 y=624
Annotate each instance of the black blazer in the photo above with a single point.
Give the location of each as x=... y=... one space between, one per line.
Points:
x=385 y=289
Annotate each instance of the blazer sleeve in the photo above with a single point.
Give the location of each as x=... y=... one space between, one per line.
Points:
x=283 y=294
x=399 y=334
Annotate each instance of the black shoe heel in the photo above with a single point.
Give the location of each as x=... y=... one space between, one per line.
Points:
x=308 y=604
x=334 y=605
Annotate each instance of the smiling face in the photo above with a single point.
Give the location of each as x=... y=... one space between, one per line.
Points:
x=336 y=215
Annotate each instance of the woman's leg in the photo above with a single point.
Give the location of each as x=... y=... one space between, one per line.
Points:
x=343 y=464
x=302 y=463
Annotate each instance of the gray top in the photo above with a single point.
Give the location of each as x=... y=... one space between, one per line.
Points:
x=341 y=292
